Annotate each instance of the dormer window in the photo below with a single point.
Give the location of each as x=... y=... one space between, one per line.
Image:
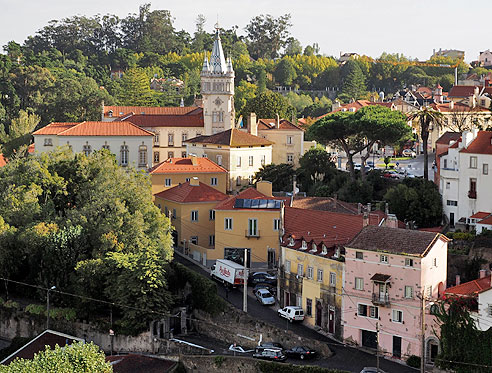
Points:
x=314 y=248
x=337 y=253
x=324 y=250
x=291 y=241
x=304 y=245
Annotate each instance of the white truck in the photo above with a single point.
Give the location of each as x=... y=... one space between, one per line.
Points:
x=228 y=271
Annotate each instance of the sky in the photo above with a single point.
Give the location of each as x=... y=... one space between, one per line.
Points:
x=370 y=27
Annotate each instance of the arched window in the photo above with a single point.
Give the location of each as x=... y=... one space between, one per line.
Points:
x=87 y=149
x=142 y=156
x=124 y=155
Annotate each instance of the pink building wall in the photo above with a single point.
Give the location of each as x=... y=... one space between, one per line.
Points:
x=423 y=272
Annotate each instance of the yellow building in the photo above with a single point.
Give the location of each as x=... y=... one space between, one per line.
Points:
x=252 y=221
x=175 y=171
x=191 y=208
x=240 y=153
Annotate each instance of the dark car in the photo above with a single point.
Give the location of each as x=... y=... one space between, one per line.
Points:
x=273 y=354
x=262 y=277
x=301 y=352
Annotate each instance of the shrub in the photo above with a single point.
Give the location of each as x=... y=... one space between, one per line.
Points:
x=35 y=309
x=413 y=361
x=219 y=360
x=11 y=304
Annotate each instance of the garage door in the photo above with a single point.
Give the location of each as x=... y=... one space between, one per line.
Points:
x=369 y=339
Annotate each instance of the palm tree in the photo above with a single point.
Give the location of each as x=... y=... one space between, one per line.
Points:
x=425 y=117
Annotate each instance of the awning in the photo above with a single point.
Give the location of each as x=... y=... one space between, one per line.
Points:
x=379 y=277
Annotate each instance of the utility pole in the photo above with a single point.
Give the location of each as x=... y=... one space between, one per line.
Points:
x=377 y=347
x=245 y=285
x=422 y=320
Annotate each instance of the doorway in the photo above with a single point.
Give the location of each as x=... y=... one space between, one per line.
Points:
x=331 y=320
x=319 y=313
x=451 y=219
x=271 y=258
x=396 y=346
x=369 y=339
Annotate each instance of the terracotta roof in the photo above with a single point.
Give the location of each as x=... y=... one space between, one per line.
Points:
x=325 y=204
x=105 y=129
x=458 y=108
x=480 y=215
x=482 y=144
x=3 y=161
x=431 y=229
x=270 y=124
x=185 y=165
x=232 y=137
x=250 y=193
x=30 y=149
x=447 y=137
x=47 y=338
x=186 y=193
x=122 y=110
x=357 y=105
x=139 y=364
x=462 y=91
x=470 y=288
x=426 y=90
x=188 y=120
x=487 y=221
x=54 y=128
x=394 y=240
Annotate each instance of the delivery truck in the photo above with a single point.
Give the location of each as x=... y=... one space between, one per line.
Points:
x=228 y=272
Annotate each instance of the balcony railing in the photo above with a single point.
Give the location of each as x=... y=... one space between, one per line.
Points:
x=252 y=234
x=380 y=299
x=472 y=194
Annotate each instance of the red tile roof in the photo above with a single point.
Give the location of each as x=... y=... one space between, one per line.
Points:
x=466 y=90
x=482 y=144
x=270 y=124
x=105 y=129
x=147 y=110
x=458 y=107
x=232 y=137
x=487 y=221
x=447 y=137
x=470 y=288
x=138 y=363
x=325 y=204
x=54 y=128
x=431 y=229
x=188 y=120
x=3 y=161
x=186 y=193
x=185 y=165
x=250 y=193
x=480 y=215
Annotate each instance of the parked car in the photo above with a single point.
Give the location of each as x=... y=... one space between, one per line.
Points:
x=391 y=175
x=301 y=352
x=370 y=164
x=271 y=288
x=409 y=153
x=265 y=297
x=371 y=370
x=291 y=313
x=262 y=277
x=271 y=345
x=274 y=354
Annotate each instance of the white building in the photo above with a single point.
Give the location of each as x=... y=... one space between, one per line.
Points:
x=465 y=182
x=485 y=58
x=129 y=143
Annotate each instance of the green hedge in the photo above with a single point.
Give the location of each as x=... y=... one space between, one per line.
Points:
x=269 y=367
x=413 y=361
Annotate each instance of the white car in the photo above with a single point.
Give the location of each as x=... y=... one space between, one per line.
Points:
x=265 y=297
x=409 y=153
x=291 y=313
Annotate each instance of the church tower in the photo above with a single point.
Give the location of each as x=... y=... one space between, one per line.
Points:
x=217 y=78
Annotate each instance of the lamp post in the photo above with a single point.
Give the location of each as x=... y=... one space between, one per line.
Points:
x=48 y=306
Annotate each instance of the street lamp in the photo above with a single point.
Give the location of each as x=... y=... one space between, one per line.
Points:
x=48 y=306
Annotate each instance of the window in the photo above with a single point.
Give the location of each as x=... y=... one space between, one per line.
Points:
x=489 y=309
x=213 y=181
x=174 y=214
x=219 y=160
x=204 y=155
x=124 y=155
x=289 y=140
x=451 y=203
x=287 y=266
x=253 y=227
x=304 y=245
x=290 y=158
x=473 y=185
x=276 y=224
x=250 y=160
x=333 y=279
x=300 y=270
x=156 y=139
x=448 y=185
x=238 y=181
x=228 y=224
x=170 y=154
x=383 y=258
x=445 y=163
x=362 y=310
x=87 y=149
x=309 y=273
x=211 y=240
x=156 y=157
x=359 y=255
x=373 y=312
x=48 y=142
x=397 y=316
x=217 y=116
x=408 y=262
x=211 y=215
x=263 y=160
x=429 y=291
x=166 y=211
x=194 y=215
x=434 y=262
x=250 y=179
x=238 y=162
x=359 y=283
x=187 y=180
x=408 y=292
x=309 y=307
x=184 y=136
x=170 y=139
x=167 y=182
x=194 y=240
x=142 y=156
x=320 y=275
x=367 y=311
x=183 y=154
x=473 y=162
x=485 y=168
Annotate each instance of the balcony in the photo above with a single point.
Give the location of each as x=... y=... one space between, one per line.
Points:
x=252 y=234
x=380 y=299
x=472 y=194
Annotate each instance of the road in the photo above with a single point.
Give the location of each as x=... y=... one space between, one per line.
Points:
x=345 y=358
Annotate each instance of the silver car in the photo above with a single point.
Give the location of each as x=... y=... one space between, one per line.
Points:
x=265 y=297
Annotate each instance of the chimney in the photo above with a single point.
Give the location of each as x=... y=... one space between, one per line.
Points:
x=472 y=102
x=264 y=187
x=391 y=221
x=194 y=181
x=359 y=208
x=335 y=197
x=365 y=219
x=277 y=121
x=336 y=105
x=369 y=209
x=194 y=160
x=451 y=105
x=458 y=280
x=482 y=273
x=386 y=209
x=252 y=124
x=294 y=187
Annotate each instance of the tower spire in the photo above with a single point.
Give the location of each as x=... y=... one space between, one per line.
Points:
x=217 y=59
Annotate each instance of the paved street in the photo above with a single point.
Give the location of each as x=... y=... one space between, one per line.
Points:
x=346 y=358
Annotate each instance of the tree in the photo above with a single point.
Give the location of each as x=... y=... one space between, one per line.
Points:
x=280 y=175
x=293 y=47
x=424 y=117
x=354 y=83
x=416 y=200
x=311 y=50
x=135 y=89
x=17 y=136
x=315 y=165
x=243 y=93
x=266 y=35
x=78 y=357
x=285 y=72
x=268 y=104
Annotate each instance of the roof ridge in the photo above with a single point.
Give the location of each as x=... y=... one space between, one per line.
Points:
x=78 y=124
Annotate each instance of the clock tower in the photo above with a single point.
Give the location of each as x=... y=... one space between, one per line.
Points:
x=217 y=78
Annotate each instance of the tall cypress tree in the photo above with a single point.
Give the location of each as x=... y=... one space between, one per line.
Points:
x=354 y=84
x=135 y=89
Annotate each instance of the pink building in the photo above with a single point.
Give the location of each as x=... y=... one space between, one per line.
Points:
x=386 y=271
